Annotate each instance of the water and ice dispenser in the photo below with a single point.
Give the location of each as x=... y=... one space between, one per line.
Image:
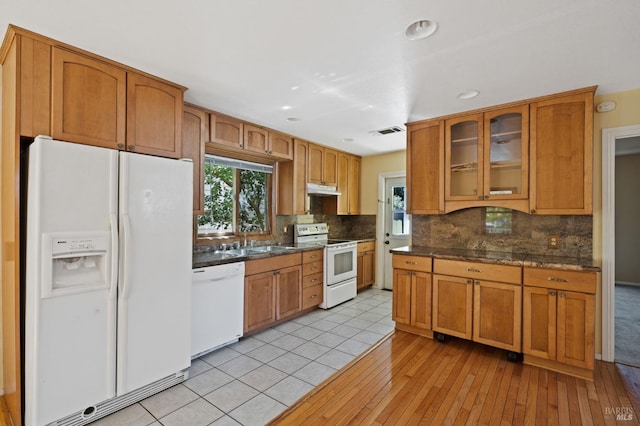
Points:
x=75 y=263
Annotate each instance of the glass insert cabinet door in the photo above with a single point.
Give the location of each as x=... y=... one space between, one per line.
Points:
x=487 y=155
x=464 y=158
x=506 y=159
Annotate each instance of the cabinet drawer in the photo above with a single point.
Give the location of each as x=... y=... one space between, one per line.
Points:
x=583 y=282
x=414 y=263
x=478 y=270
x=271 y=263
x=311 y=296
x=311 y=280
x=312 y=268
x=367 y=246
x=312 y=256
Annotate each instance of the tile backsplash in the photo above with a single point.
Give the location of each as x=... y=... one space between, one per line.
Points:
x=505 y=231
x=349 y=227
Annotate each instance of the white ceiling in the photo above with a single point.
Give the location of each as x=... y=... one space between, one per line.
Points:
x=353 y=68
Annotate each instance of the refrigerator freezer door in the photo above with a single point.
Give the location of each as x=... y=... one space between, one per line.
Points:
x=154 y=295
x=69 y=331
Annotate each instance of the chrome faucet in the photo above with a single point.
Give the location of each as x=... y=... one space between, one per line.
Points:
x=248 y=228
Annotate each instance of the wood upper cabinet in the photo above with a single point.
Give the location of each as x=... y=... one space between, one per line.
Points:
x=195 y=132
x=154 y=116
x=348 y=185
x=323 y=165
x=256 y=139
x=425 y=168
x=89 y=100
x=280 y=145
x=35 y=87
x=559 y=316
x=260 y=140
x=292 y=181
x=486 y=158
x=226 y=130
x=562 y=155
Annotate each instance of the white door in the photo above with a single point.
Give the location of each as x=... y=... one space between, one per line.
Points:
x=70 y=315
x=397 y=223
x=154 y=290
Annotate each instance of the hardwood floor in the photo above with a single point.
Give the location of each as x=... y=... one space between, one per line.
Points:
x=408 y=379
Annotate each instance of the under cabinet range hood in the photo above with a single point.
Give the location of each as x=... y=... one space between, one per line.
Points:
x=321 y=190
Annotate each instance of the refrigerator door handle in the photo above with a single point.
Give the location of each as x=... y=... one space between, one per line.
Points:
x=126 y=230
x=113 y=219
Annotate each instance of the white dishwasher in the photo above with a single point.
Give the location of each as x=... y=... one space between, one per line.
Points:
x=217 y=306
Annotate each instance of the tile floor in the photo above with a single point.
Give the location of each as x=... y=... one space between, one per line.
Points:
x=253 y=380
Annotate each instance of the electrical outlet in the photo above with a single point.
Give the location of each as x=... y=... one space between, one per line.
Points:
x=553 y=241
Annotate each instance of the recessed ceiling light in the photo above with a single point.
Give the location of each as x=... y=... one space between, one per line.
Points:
x=294 y=88
x=468 y=94
x=347 y=139
x=421 y=29
x=286 y=107
x=293 y=119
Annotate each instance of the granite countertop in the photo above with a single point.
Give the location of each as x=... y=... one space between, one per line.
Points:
x=213 y=258
x=504 y=258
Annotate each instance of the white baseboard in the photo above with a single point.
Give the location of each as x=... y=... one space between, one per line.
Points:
x=599 y=357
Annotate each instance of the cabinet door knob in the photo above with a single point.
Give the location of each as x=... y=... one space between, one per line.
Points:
x=533 y=211
x=477 y=282
x=562 y=294
x=120 y=146
x=469 y=281
x=132 y=147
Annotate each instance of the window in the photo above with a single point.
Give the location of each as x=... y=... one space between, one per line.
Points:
x=398 y=211
x=236 y=198
x=498 y=220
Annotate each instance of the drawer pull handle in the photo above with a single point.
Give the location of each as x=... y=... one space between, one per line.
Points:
x=473 y=270
x=314 y=280
x=411 y=263
x=314 y=256
x=557 y=280
x=314 y=268
x=313 y=296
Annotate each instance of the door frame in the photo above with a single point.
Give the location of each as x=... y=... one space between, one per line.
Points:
x=382 y=177
x=609 y=137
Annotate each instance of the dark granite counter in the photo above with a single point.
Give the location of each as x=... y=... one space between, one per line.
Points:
x=504 y=258
x=213 y=258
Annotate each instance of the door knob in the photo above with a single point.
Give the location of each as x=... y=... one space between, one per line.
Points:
x=386 y=235
x=387 y=242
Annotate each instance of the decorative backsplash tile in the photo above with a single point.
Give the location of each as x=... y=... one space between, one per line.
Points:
x=506 y=231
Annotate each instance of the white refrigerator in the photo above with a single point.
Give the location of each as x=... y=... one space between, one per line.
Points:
x=108 y=279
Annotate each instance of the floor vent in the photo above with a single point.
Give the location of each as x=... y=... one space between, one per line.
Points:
x=387 y=131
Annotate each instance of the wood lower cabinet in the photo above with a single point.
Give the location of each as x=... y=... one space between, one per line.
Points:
x=412 y=292
x=312 y=278
x=89 y=100
x=558 y=319
x=470 y=304
x=272 y=290
x=366 y=264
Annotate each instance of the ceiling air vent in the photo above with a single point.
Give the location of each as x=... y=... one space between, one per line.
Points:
x=387 y=131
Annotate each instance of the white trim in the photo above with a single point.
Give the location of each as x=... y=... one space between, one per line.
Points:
x=609 y=137
x=380 y=225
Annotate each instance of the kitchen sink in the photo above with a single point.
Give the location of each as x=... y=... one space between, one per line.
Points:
x=267 y=249
x=227 y=254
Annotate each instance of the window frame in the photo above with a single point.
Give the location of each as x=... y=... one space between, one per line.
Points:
x=237 y=235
